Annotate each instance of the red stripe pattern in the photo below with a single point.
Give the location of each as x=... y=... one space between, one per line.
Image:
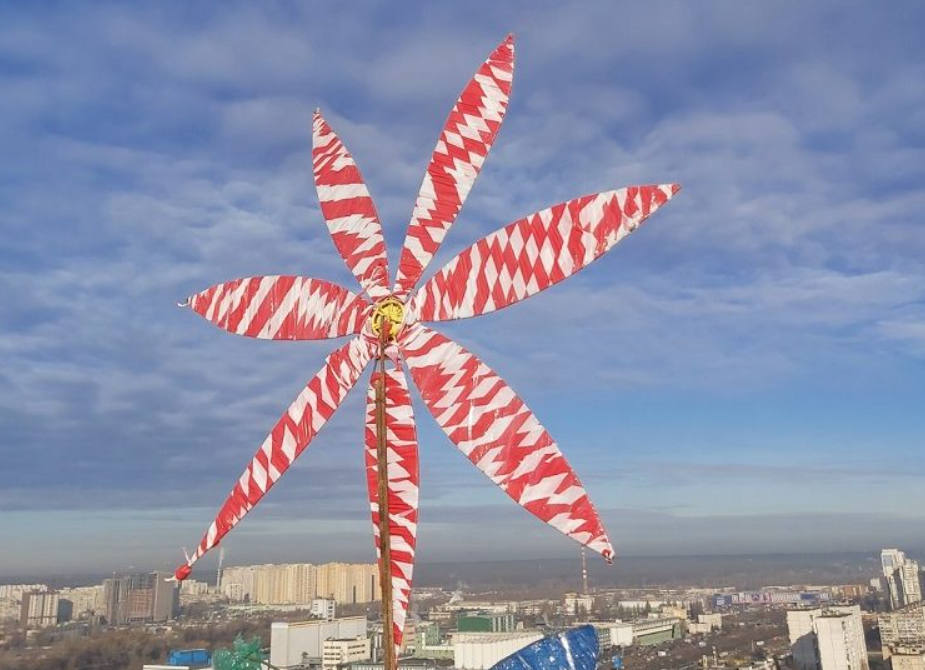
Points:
x=282 y=307
x=461 y=150
x=479 y=412
x=403 y=484
x=499 y=434
x=349 y=210
x=292 y=433
x=534 y=253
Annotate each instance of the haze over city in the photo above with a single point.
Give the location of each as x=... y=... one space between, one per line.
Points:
x=742 y=376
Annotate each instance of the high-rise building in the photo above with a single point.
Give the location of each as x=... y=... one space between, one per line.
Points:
x=40 y=609
x=302 y=579
x=904 y=627
x=16 y=591
x=140 y=598
x=86 y=600
x=191 y=587
x=902 y=576
x=238 y=583
x=166 y=603
x=803 y=638
x=347 y=583
x=827 y=638
x=301 y=583
x=911 y=578
x=838 y=638
x=233 y=591
x=889 y=559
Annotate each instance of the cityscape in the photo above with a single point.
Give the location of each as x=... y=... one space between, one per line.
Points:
x=327 y=617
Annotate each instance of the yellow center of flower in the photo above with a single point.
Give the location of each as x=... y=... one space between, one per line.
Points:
x=390 y=311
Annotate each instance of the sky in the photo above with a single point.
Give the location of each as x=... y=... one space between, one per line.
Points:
x=742 y=375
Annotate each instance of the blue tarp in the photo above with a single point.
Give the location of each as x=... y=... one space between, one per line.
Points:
x=576 y=649
x=189 y=657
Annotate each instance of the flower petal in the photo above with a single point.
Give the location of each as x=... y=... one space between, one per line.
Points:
x=403 y=482
x=280 y=307
x=349 y=210
x=292 y=433
x=499 y=434
x=532 y=254
x=461 y=150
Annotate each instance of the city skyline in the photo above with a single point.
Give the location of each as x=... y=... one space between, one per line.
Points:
x=321 y=616
x=744 y=375
x=743 y=570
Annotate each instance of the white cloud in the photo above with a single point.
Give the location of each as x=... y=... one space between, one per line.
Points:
x=151 y=153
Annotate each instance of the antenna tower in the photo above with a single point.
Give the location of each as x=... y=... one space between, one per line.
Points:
x=584 y=572
x=221 y=562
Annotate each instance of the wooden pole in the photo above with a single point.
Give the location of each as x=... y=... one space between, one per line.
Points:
x=385 y=550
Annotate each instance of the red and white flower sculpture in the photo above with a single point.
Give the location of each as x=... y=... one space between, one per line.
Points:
x=479 y=412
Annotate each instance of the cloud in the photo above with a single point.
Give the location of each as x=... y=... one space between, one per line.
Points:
x=150 y=153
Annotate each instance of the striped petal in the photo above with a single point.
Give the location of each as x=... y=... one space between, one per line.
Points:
x=292 y=433
x=403 y=481
x=534 y=253
x=281 y=307
x=348 y=210
x=499 y=434
x=461 y=150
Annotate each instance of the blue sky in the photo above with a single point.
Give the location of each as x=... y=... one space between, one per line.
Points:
x=745 y=374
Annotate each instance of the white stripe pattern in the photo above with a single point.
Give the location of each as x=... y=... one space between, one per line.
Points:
x=532 y=254
x=282 y=307
x=467 y=136
x=290 y=436
x=402 y=455
x=349 y=210
x=499 y=434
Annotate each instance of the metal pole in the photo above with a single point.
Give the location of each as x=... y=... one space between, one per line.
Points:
x=385 y=551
